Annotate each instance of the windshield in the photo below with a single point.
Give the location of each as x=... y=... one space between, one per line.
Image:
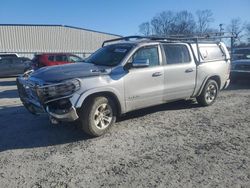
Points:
x=110 y=55
x=241 y=54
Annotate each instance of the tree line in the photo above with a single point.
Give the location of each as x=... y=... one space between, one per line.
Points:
x=169 y=23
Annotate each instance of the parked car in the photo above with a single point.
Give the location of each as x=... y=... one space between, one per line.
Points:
x=240 y=68
x=126 y=76
x=3 y=55
x=50 y=59
x=12 y=66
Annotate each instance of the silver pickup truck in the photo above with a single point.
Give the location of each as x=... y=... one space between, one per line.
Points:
x=126 y=74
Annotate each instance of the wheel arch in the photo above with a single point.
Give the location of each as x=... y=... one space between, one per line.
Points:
x=106 y=93
x=212 y=77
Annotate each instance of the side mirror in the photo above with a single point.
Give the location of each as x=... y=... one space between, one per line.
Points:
x=128 y=66
x=140 y=63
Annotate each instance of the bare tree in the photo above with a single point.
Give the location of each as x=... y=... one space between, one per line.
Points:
x=184 y=23
x=156 y=26
x=236 y=27
x=248 y=29
x=145 y=29
x=204 y=18
x=167 y=19
x=169 y=23
x=161 y=23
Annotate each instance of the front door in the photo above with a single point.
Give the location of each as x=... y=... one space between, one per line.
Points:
x=144 y=85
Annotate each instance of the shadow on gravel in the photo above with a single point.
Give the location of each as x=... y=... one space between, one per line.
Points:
x=241 y=84
x=178 y=105
x=7 y=83
x=9 y=94
x=20 y=129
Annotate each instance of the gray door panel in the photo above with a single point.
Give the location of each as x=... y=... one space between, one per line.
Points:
x=144 y=87
x=179 y=81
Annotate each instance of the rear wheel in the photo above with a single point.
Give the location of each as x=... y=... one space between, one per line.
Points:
x=209 y=93
x=97 y=115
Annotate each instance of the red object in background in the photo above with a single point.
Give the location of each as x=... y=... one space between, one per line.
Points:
x=51 y=59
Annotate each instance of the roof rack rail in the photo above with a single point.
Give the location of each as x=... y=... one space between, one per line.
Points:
x=204 y=36
x=122 y=38
x=194 y=38
x=137 y=37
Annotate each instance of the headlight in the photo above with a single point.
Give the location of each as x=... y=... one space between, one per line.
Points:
x=54 y=91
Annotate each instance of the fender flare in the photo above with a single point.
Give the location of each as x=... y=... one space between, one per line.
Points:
x=111 y=91
x=205 y=81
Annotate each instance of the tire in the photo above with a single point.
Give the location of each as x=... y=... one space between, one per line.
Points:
x=209 y=93
x=97 y=115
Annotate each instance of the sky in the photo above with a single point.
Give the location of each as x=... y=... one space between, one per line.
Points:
x=120 y=17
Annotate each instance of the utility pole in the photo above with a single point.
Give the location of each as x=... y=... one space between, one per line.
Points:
x=221 y=29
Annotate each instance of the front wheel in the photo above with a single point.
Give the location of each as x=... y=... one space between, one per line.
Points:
x=209 y=93
x=97 y=115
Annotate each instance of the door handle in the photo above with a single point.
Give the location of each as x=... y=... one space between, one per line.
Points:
x=189 y=70
x=156 y=74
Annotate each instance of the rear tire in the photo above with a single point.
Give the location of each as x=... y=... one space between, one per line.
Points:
x=97 y=115
x=209 y=93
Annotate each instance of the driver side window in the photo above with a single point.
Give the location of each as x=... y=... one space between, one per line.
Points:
x=147 y=53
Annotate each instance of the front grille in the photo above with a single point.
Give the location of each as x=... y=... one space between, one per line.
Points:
x=27 y=90
x=21 y=90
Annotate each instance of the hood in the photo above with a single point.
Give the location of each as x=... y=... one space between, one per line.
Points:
x=69 y=71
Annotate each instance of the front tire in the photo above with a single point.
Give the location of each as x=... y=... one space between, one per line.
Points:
x=97 y=115
x=209 y=93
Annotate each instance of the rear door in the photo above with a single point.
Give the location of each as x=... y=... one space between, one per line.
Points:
x=179 y=72
x=144 y=86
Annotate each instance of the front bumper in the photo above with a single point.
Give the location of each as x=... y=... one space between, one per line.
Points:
x=28 y=96
x=70 y=115
x=30 y=99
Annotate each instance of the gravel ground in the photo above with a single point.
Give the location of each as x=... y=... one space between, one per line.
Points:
x=173 y=145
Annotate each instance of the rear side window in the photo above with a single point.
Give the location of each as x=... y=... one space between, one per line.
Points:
x=210 y=53
x=61 y=58
x=176 y=54
x=7 y=60
x=51 y=58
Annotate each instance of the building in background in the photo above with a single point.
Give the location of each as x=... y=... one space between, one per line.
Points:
x=27 y=40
